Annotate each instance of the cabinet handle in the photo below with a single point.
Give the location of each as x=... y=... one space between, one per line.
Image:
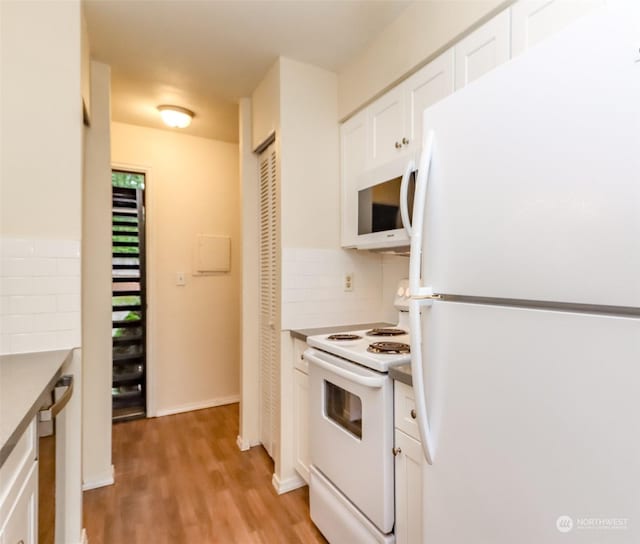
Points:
x=413 y=413
x=396 y=451
x=398 y=145
x=53 y=410
x=301 y=357
x=405 y=141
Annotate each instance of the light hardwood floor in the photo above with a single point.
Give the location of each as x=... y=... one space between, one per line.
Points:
x=182 y=480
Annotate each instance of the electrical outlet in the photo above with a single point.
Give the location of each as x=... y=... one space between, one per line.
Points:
x=181 y=279
x=348 y=281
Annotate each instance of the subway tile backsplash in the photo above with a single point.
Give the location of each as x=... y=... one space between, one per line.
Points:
x=39 y=294
x=313 y=292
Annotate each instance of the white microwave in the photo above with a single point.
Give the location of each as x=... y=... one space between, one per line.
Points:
x=380 y=204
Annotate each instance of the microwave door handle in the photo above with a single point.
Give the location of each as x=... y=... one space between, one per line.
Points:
x=404 y=197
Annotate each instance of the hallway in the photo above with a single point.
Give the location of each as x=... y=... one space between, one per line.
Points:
x=181 y=479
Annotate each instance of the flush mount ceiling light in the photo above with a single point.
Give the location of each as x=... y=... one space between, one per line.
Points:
x=175 y=116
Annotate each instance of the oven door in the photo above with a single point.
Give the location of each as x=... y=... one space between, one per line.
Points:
x=351 y=433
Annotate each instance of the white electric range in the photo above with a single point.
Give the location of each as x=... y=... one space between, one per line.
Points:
x=351 y=429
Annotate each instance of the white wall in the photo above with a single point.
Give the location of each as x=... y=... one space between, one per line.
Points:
x=309 y=156
x=40 y=204
x=96 y=285
x=41 y=129
x=194 y=330
x=265 y=106
x=40 y=175
x=421 y=31
x=249 y=432
x=394 y=269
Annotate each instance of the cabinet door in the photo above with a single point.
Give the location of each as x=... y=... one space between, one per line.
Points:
x=301 y=422
x=409 y=464
x=386 y=127
x=353 y=150
x=21 y=524
x=424 y=88
x=534 y=20
x=483 y=49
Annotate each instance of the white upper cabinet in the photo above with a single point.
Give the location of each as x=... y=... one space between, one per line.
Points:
x=353 y=141
x=391 y=127
x=482 y=50
x=424 y=88
x=534 y=20
x=386 y=128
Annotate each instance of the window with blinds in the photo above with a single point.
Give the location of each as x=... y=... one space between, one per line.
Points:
x=269 y=341
x=129 y=298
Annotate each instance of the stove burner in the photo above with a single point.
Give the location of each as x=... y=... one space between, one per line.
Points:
x=341 y=337
x=389 y=348
x=386 y=332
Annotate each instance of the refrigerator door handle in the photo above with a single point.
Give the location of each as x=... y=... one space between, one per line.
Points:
x=419 y=386
x=419 y=204
x=404 y=197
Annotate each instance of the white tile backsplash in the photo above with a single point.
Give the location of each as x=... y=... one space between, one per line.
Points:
x=394 y=269
x=39 y=294
x=313 y=293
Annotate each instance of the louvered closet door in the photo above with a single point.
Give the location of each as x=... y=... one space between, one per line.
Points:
x=269 y=298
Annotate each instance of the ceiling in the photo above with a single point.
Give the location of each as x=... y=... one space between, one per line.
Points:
x=205 y=54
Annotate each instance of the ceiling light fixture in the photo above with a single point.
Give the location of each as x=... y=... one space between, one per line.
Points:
x=175 y=116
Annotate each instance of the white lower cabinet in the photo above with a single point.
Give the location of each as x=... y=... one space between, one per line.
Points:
x=20 y=526
x=300 y=410
x=409 y=464
x=19 y=491
x=301 y=421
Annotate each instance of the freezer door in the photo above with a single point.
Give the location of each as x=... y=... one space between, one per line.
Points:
x=535 y=426
x=534 y=189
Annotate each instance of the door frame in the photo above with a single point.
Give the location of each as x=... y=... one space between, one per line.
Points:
x=150 y=277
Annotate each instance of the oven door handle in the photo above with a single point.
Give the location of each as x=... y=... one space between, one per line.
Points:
x=337 y=368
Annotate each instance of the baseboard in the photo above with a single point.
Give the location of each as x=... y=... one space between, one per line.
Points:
x=99 y=482
x=211 y=403
x=244 y=445
x=288 y=484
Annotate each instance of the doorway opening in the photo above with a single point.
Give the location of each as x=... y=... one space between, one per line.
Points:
x=129 y=395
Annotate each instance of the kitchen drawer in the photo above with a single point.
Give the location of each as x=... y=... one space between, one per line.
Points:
x=405 y=410
x=298 y=360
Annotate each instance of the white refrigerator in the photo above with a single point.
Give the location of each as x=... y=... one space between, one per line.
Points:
x=525 y=284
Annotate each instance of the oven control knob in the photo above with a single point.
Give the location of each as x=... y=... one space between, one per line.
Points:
x=396 y=451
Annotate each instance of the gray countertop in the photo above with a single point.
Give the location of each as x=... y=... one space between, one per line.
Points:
x=402 y=373
x=303 y=333
x=26 y=380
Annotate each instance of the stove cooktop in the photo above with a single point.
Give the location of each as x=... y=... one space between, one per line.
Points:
x=392 y=349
